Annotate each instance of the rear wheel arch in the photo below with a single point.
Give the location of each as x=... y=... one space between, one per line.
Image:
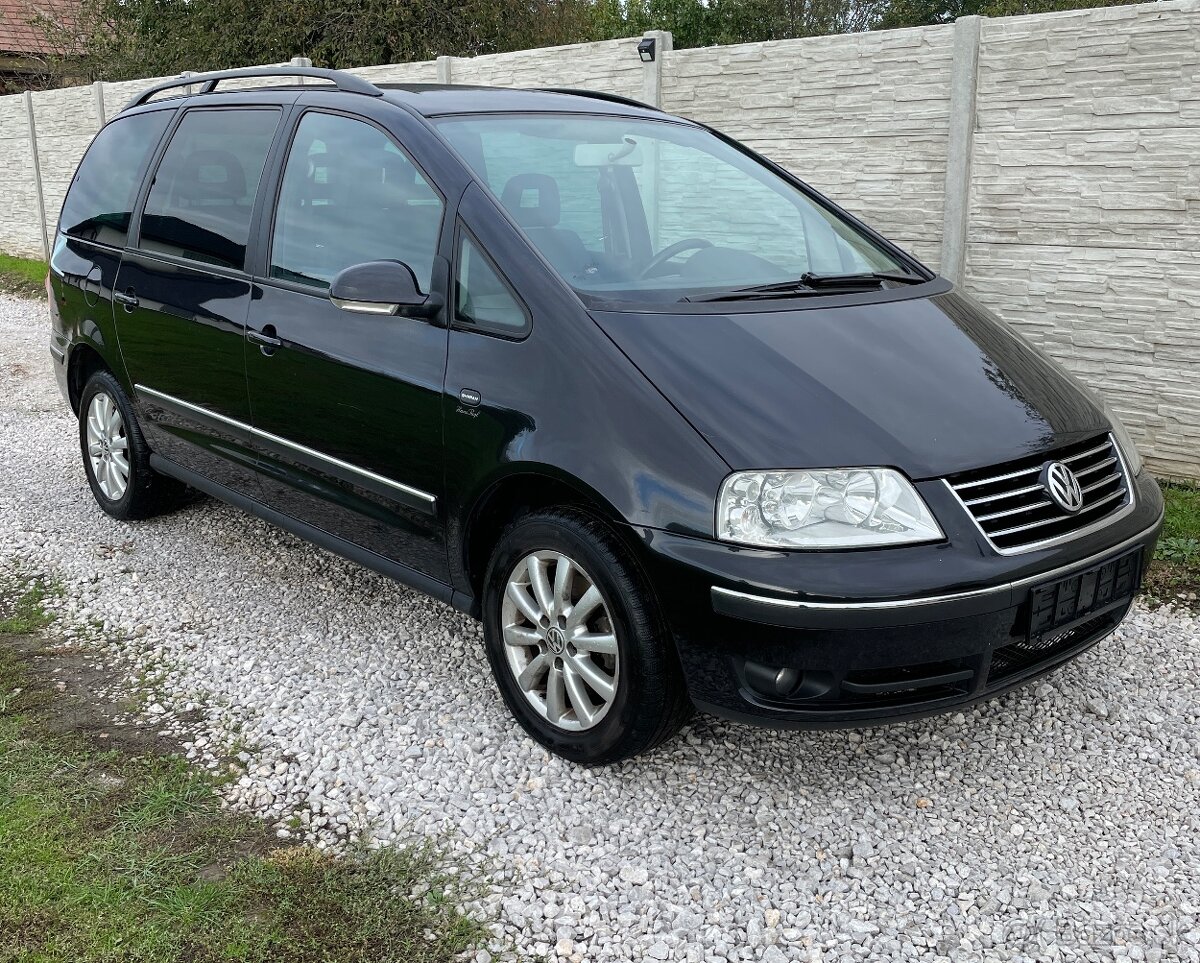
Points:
x=84 y=361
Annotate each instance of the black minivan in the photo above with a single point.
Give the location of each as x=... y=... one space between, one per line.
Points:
x=679 y=430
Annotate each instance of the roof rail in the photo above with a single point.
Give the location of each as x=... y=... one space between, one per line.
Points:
x=208 y=81
x=601 y=95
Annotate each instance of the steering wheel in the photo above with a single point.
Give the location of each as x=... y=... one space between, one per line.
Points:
x=673 y=250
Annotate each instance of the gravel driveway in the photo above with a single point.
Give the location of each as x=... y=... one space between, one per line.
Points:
x=1060 y=822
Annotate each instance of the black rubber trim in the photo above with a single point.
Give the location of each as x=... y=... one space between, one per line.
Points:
x=903 y=685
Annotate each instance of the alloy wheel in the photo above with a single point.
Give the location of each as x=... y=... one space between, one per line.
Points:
x=559 y=641
x=108 y=446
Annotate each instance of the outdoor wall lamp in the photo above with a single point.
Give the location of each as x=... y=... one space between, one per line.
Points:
x=646 y=50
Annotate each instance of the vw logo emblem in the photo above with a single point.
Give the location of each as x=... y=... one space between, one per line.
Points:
x=556 y=640
x=1062 y=486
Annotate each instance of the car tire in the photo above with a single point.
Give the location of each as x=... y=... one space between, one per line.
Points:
x=116 y=457
x=608 y=685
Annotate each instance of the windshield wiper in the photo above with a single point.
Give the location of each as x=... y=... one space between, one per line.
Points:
x=849 y=280
x=809 y=284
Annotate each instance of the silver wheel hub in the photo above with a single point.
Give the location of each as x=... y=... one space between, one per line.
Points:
x=107 y=446
x=559 y=641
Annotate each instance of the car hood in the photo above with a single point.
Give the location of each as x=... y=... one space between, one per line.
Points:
x=930 y=385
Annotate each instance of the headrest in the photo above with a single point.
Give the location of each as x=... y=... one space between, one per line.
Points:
x=532 y=199
x=211 y=175
x=398 y=173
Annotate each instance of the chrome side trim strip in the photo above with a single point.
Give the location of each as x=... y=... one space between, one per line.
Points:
x=938 y=599
x=859 y=606
x=302 y=449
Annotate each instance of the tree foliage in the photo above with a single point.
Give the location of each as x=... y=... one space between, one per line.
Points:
x=126 y=39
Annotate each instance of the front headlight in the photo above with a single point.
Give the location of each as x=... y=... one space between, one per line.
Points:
x=1132 y=457
x=823 y=508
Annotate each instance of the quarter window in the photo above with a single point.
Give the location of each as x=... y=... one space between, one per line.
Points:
x=350 y=195
x=482 y=299
x=100 y=202
x=203 y=195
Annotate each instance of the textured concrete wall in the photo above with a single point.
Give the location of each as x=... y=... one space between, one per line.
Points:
x=861 y=117
x=20 y=227
x=1085 y=191
x=66 y=122
x=612 y=66
x=1079 y=141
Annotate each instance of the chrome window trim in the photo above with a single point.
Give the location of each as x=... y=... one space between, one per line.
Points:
x=902 y=603
x=1089 y=529
x=294 y=446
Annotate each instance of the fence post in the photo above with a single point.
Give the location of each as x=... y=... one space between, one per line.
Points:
x=956 y=209
x=652 y=72
x=300 y=62
x=445 y=70
x=98 y=91
x=37 y=175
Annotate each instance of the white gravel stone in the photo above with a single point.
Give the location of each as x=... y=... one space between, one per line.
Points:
x=1061 y=822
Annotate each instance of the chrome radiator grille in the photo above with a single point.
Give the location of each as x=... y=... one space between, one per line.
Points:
x=1013 y=509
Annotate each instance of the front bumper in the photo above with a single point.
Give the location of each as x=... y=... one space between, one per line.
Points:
x=881 y=635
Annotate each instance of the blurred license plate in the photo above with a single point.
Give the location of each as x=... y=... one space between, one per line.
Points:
x=1071 y=599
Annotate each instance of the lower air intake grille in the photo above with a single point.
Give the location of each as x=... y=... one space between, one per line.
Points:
x=1014 y=510
x=1018 y=656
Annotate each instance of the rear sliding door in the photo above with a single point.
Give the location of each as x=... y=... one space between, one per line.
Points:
x=182 y=292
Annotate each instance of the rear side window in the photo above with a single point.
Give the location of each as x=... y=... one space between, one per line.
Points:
x=203 y=195
x=100 y=202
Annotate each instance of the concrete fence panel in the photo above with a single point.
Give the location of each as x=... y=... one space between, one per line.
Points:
x=1085 y=196
x=862 y=117
x=611 y=66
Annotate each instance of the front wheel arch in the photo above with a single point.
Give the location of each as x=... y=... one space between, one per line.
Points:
x=521 y=492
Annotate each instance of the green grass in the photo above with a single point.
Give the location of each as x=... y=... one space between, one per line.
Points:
x=22 y=275
x=22 y=611
x=115 y=855
x=1175 y=573
x=1180 y=540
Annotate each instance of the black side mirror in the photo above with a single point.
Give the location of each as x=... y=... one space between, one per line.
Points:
x=382 y=287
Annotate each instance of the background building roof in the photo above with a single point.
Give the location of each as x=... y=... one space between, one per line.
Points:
x=18 y=35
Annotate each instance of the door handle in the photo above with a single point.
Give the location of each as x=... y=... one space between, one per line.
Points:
x=265 y=339
x=127 y=298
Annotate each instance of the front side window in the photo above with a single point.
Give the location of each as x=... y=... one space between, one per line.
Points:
x=634 y=209
x=203 y=195
x=350 y=195
x=482 y=299
x=100 y=202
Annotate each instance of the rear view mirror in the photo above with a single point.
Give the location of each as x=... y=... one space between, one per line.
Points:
x=626 y=154
x=381 y=287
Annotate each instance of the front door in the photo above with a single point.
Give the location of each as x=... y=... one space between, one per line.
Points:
x=347 y=407
x=182 y=295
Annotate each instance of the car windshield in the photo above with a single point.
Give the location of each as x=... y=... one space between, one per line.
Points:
x=647 y=210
